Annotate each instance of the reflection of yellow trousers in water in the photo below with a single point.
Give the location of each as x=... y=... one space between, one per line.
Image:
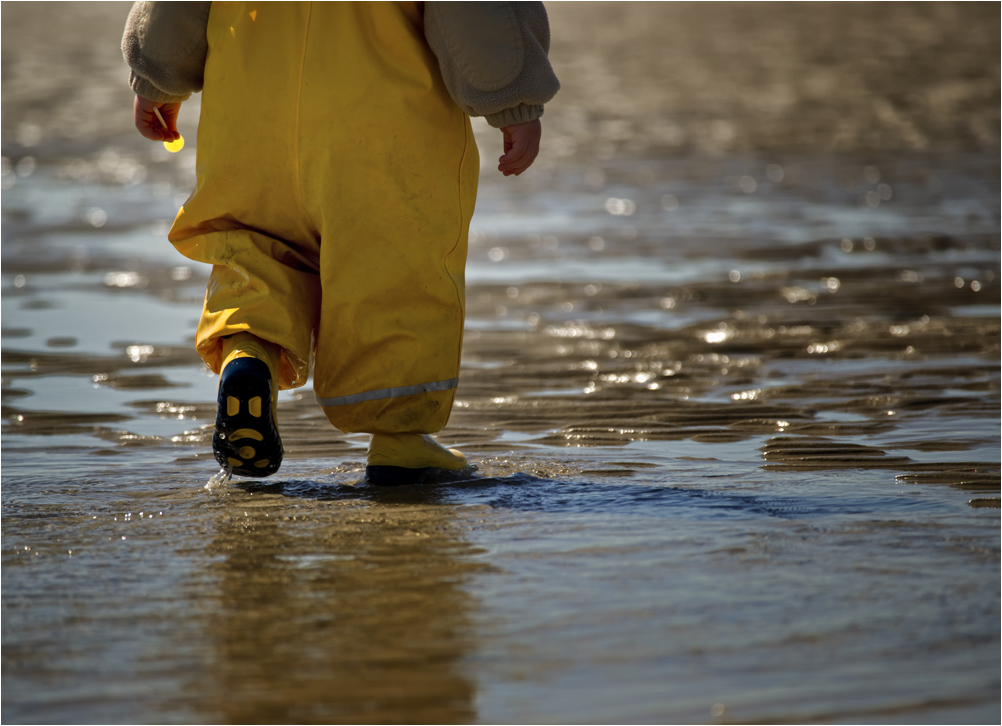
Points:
x=336 y=181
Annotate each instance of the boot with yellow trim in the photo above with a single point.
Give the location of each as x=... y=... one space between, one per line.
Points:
x=246 y=439
x=400 y=459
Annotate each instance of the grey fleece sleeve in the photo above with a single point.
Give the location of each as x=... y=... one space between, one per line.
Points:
x=164 y=45
x=493 y=57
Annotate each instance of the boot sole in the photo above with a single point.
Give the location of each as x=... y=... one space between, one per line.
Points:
x=246 y=439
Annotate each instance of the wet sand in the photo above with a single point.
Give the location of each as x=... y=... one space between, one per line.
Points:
x=730 y=384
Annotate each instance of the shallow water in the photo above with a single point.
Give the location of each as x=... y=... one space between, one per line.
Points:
x=734 y=418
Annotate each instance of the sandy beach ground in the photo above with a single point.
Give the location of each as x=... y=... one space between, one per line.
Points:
x=730 y=384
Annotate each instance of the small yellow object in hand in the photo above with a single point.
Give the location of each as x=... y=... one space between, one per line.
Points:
x=171 y=146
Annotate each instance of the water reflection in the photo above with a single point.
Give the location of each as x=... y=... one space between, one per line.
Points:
x=345 y=610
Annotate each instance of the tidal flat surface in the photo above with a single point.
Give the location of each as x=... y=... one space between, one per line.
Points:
x=730 y=386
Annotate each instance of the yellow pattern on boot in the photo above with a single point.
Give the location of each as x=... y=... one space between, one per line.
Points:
x=242 y=405
x=413 y=451
x=248 y=345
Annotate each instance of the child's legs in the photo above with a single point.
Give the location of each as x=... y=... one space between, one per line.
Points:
x=246 y=216
x=390 y=173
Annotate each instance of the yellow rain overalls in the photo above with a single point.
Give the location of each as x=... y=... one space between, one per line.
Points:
x=337 y=228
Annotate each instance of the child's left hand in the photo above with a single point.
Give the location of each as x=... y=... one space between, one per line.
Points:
x=521 y=146
x=149 y=125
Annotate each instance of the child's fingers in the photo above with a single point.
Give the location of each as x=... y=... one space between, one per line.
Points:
x=515 y=157
x=523 y=148
x=150 y=129
x=144 y=120
x=515 y=169
x=515 y=165
x=169 y=112
x=519 y=158
x=515 y=154
x=156 y=129
x=149 y=125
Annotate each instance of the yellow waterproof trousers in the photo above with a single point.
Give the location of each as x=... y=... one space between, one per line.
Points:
x=336 y=179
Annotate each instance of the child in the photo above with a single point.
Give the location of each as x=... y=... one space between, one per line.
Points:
x=336 y=178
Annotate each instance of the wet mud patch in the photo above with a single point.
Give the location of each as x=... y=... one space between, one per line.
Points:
x=960 y=475
x=139 y=382
x=806 y=453
x=55 y=423
x=106 y=370
x=986 y=503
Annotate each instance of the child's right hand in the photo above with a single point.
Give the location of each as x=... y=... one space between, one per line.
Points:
x=148 y=123
x=521 y=146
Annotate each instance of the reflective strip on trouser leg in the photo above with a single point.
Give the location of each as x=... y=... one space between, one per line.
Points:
x=326 y=128
x=389 y=393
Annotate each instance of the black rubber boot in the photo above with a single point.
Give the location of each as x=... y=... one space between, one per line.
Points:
x=246 y=439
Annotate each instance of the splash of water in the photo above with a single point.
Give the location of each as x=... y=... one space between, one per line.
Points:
x=220 y=478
